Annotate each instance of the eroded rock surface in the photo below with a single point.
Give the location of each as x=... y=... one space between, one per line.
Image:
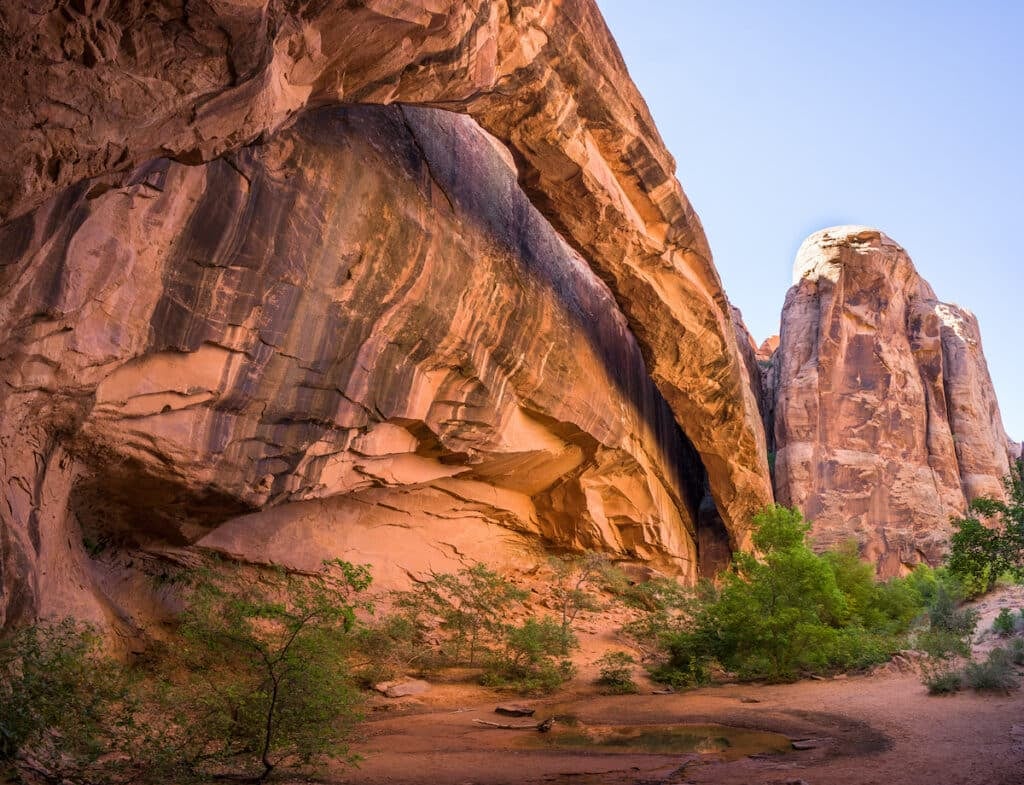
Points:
x=98 y=89
x=885 y=418
x=357 y=339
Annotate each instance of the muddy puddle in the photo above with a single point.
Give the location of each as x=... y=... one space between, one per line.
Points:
x=723 y=741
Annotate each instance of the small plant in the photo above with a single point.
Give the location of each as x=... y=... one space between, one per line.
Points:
x=995 y=674
x=64 y=705
x=1004 y=623
x=616 y=673
x=573 y=576
x=1017 y=651
x=530 y=661
x=941 y=678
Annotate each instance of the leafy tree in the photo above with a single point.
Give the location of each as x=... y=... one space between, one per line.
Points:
x=979 y=554
x=781 y=612
x=472 y=606
x=261 y=670
x=573 y=576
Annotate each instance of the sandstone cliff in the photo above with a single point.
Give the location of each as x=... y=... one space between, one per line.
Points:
x=108 y=102
x=99 y=88
x=885 y=419
x=358 y=338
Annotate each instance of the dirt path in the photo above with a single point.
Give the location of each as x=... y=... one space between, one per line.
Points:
x=878 y=729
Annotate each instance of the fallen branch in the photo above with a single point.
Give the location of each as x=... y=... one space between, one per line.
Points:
x=542 y=727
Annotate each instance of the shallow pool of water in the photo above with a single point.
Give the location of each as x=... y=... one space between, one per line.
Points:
x=723 y=741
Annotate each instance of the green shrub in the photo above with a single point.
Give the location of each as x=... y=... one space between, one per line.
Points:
x=1017 y=651
x=1004 y=624
x=616 y=673
x=995 y=674
x=574 y=576
x=63 y=703
x=530 y=661
x=941 y=678
x=471 y=608
x=788 y=612
x=260 y=677
x=390 y=646
x=942 y=644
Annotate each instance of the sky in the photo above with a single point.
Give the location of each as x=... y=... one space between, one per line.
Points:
x=786 y=117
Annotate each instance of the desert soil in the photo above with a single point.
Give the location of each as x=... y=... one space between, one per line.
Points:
x=868 y=729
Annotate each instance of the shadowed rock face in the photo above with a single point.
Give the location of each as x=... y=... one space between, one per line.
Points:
x=358 y=338
x=98 y=89
x=886 y=422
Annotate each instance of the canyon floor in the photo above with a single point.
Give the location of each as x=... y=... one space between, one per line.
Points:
x=858 y=729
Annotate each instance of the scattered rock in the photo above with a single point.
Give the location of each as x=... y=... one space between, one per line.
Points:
x=810 y=744
x=402 y=689
x=514 y=710
x=664 y=691
x=748 y=699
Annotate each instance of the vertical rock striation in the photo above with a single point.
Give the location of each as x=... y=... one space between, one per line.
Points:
x=357 y=338
x=885 y=418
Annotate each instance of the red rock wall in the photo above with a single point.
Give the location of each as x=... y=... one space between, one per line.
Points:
x=97 y=89
x=885 y=419
x=358 y=339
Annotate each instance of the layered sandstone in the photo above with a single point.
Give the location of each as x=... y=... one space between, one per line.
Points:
x=97 y=89
x=108 y=102
x=885 y=419
x=356 y=339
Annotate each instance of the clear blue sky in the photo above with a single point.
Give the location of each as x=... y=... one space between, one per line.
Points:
x=786 y=117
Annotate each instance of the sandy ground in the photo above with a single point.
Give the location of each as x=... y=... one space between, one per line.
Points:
x=879 y=729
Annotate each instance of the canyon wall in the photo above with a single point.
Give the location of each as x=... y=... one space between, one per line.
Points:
x=358 y=338
x=109 y=102
x=885 y=419
x=97 y=89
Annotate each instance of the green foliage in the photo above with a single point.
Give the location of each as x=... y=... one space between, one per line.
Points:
x=787 y=612
x=260 y=674
x=1017 y=651
x=63 y=703
x=979 y=554
x=941 y=678
x=616 y=673
x=530 y=661
x=390 y=646
x=573 y=577
x=995 y=674
x=471 y=608
x=1004 y=623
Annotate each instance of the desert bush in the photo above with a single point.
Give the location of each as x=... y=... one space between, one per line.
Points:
x=574 y=576
x=64 y=704
x=995 y=674
x=941 y=677
x=530 y=660
x=470 y=607
x=389 y=646
x=1017 y=651
x=1005 y=623
x=616 y=673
